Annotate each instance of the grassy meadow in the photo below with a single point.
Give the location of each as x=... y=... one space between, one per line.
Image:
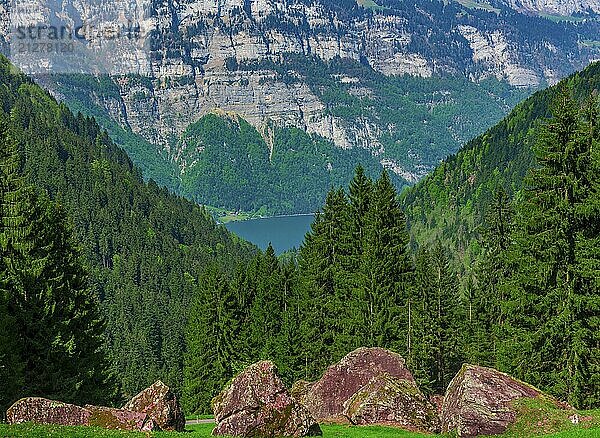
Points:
x=204 y=431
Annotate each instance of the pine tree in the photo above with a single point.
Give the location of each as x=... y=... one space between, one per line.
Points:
x=55 y=315
x=212 y=356
x=552 y=317
x=385 y=270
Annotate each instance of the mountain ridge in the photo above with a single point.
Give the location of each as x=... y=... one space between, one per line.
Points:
x=450 y=204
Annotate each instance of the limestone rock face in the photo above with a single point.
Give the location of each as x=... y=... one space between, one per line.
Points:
x=257 y=404
x=196 y=56
x=392 y=401
x=558 y=7
x=161 y=405
x=43 y=411
x=478 y=401
x=325 y=399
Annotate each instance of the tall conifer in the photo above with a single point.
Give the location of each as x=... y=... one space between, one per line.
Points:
x=553 y=318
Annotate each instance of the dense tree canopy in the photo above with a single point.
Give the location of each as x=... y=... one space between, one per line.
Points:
x=54 y=331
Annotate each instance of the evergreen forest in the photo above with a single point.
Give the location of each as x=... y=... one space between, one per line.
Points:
x=108 y=283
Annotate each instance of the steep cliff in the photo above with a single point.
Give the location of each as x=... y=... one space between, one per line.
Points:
x=558 y=7
x=335 y=69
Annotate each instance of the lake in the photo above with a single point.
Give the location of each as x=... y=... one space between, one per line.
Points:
x=284 y=232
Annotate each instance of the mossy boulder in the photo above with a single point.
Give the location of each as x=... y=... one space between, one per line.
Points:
x=392 y=401
x=119 y=419
x=257 y=404
x=483 y=401
x=43 y=411
x=325 y=399
x=160 y=404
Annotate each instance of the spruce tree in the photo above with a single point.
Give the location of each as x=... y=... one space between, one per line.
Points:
x=552 y=312
x=361 y=193
x=267 y=306
x=385 y=269
x=325 y=284
x=485 y=317
x=56 y=318
x=212 y=356
x=436 y=349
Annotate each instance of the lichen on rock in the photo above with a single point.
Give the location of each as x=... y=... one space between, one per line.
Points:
x=392 y=401
x=161 y=405
x=482 y=401
x=325 y=398
x=257 y=404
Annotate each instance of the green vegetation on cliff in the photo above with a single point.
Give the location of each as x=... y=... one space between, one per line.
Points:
x=223 y=161
x=229 y=164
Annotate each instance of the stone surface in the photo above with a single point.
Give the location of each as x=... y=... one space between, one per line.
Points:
x=437 y=401
x=257 y=404
x=120 y=419
x=161 y=405
x=43 y=411
x=392 y=401
x=478 y=401
x=557 y=7
x=325 y=398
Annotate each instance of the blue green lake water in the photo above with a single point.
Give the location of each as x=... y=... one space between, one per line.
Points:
x=283 y=232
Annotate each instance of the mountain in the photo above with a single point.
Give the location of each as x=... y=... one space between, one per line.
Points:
x=555 y=7
x=451 y=203
x=409 y=83
x=143 y=247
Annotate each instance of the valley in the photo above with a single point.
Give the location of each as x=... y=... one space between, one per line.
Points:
x=301 y=217
x=394 y=86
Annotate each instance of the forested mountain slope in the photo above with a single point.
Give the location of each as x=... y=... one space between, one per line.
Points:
x=452 y=202
x=427 y=119
x=145 y=247
x=407 y=81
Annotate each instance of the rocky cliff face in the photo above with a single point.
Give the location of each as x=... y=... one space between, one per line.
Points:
x=558 y=7
x=187 y=58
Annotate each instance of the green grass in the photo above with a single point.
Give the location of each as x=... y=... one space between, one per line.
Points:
x=204 y=431
x=199 y=417
x=541 y=417
x=559 y=18
x=590 y=43
x=474 y=4
x=370 y=4
x=38 y=431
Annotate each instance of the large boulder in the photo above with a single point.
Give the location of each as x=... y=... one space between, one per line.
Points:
x=481 y=401
x=119 y=419
x=43 y=411
x=257 y=404
x=392 y=401
x=160 y=404
x=325 y=398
